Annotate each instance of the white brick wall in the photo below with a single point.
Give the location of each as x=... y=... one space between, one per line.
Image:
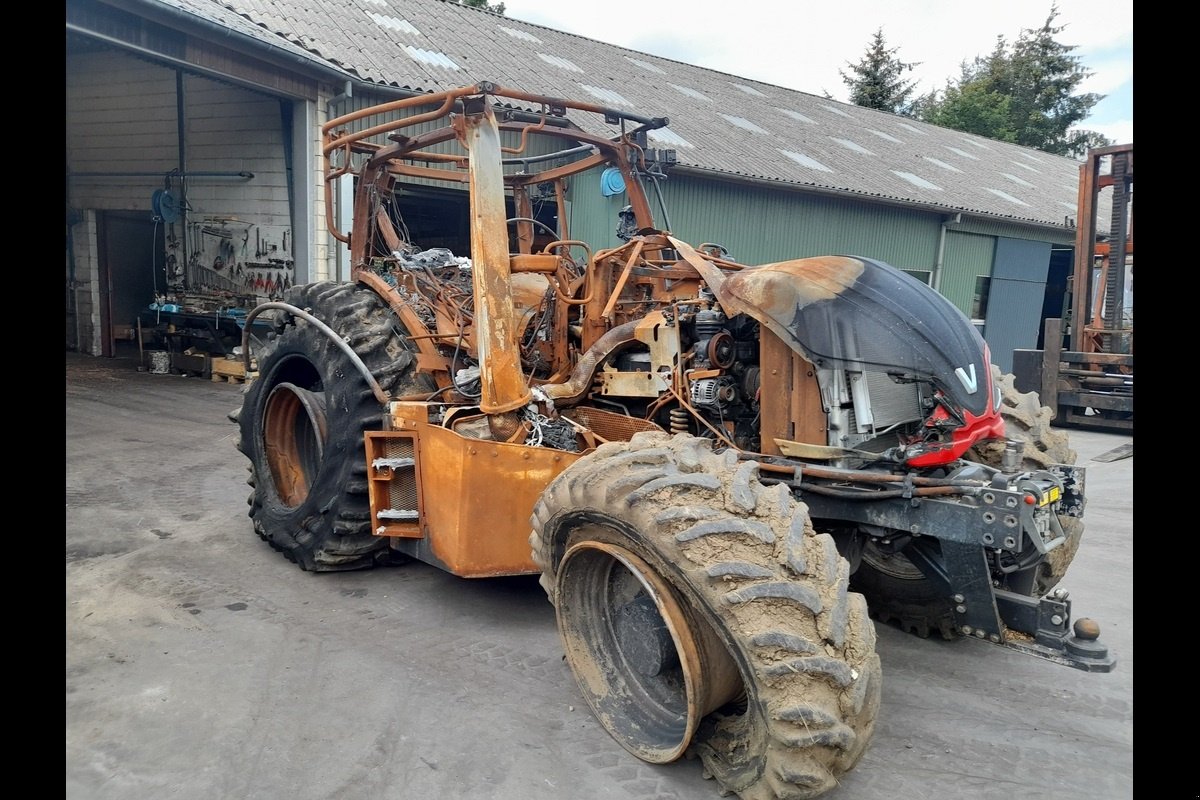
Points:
x=325 y=246
x=87 y=291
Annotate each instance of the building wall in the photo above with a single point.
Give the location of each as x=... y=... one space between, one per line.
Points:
x=968 y=257
x=120 y=117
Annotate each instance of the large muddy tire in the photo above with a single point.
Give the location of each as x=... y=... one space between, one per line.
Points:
x=900 y=594
x=702 y=616
x=302 y=422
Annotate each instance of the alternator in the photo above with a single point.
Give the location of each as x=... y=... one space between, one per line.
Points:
x=714 y=392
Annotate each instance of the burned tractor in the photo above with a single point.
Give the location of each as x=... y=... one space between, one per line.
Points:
x=718 y=470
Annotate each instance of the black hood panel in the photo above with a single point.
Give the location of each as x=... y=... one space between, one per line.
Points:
x=858 y=313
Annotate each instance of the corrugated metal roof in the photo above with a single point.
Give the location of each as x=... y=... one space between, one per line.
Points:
x=798 y=138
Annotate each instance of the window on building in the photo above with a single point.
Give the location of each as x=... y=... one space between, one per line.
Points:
x=980 y=299
x=922 y=275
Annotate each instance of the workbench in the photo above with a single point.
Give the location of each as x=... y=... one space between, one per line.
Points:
x=194 y=339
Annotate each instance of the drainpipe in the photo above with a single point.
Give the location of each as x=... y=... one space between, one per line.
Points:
x=346 y=94
x=343 y=192
x=181 y=144
x=935 y=280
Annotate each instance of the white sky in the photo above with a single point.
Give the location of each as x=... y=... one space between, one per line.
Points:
x=802 y=44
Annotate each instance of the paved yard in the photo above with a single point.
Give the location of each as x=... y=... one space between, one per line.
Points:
x=203 y=665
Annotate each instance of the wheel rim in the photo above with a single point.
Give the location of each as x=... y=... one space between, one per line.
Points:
x=649 y=671
x=897 y=565
x=294 y=440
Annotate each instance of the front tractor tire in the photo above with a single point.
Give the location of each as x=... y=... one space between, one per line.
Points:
x=302 y=423
x=900 y=594
x=703 y=616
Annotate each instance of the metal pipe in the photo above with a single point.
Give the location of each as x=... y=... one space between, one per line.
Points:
x=378 y=391
x=243 y=175
x=181 y=134
x=884 y=494
x=661 y=203
x=860 y=476
x=347 y=93
x=583 y=148
x=1092 y=373
x=935 y=280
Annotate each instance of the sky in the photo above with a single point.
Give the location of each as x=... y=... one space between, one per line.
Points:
x=802 y=44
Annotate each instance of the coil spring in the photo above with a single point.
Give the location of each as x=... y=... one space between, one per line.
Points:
x=679 y=420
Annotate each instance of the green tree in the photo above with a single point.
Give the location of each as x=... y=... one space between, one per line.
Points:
x=877 y=80
x=497 y=8
x=1024 y=93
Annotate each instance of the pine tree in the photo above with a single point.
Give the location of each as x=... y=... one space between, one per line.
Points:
x=877 y=80
x=497 y=8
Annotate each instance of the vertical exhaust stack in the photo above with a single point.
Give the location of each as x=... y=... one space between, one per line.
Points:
x=504 y=386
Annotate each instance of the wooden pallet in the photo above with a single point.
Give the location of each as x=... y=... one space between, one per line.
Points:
x=230 y=370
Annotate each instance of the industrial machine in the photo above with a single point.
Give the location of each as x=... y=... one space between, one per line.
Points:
x=1089 y=382
x=717 y=470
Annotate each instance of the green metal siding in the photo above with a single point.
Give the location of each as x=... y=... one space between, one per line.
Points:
x=967 y=257
x=759 y=225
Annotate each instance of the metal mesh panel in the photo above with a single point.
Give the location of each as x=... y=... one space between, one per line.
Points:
x=612 y=426
x=402 y=488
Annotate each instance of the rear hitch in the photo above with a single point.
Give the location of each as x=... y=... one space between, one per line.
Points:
x=1038 y=627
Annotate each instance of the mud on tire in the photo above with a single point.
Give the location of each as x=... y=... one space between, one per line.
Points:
x=322 y=522
x=745 y=559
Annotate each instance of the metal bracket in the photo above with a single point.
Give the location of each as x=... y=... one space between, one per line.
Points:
x=1046 y=620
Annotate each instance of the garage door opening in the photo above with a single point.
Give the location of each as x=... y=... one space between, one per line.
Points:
x=130 y=246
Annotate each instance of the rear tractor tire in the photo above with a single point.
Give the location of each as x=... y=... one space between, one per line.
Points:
x=899 y=593
x=702 y=616
x=302 y=423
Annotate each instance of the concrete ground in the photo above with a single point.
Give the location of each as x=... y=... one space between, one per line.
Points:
x=202 y=664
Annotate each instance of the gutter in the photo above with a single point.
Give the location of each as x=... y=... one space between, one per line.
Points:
x=185 y=21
